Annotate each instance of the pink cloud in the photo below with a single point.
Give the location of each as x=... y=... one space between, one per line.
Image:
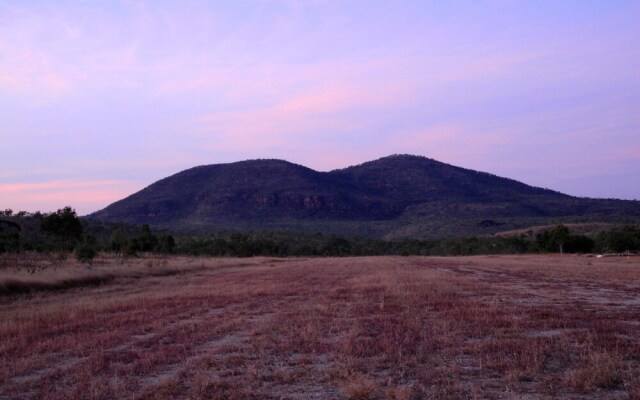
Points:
x=85 y=196
x=318 y=111
x=27 y=72
x=281 y=106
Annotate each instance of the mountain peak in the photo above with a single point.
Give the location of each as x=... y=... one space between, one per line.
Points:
x=405 y=158
x=376 y=198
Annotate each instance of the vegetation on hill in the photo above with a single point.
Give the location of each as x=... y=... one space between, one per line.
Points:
x=394 y=197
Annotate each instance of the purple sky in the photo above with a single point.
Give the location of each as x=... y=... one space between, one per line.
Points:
x=100 y=99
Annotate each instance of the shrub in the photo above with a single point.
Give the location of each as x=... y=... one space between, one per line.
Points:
x=86 y=250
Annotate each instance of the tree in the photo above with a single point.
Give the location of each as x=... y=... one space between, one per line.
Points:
x=84 y=253
x=579 y=244
x=166 y=244
x=117 y=242
x=132 y=247
x=147 y=241
x=558 y=236
x=86 y=250
x=240 y=245
x=620 y=240
x=553 y=240
x=336 y=246
x=65 y=226
x=9 y=236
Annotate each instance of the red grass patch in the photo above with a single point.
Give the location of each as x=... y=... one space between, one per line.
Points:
x=362 y=328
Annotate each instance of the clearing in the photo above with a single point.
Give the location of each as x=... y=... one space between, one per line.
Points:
x=498 y=327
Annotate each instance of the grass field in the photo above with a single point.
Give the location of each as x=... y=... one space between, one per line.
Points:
x=498 y=327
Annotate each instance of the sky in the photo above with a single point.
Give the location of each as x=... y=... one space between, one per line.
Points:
x=99 y=99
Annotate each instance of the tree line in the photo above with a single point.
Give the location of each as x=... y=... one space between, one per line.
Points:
x=64 y=232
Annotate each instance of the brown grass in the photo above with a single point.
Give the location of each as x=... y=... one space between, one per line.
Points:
x=362 y=328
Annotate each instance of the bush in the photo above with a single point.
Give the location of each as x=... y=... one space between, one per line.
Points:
x=620 y=240
x=85 y=252
x=65 y=226
x=579 y=244
x=166 y=244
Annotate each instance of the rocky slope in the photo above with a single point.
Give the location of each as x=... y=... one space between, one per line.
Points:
x=394 y=196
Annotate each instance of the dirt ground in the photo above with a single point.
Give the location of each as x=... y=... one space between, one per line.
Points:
x=497 y=327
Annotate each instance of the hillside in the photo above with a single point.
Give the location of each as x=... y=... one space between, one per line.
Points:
x=395 y=196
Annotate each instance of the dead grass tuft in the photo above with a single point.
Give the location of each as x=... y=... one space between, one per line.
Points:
x=596 y=370
x=361 y=388
x=12 y=286
x=406 y=392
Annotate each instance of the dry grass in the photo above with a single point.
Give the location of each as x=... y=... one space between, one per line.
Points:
x=361 y=328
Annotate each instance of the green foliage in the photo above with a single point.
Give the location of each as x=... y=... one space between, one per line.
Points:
x=560 y=239
x=23 y=231
x=559 y=236
x=146 y=240
x=336 y=246
x=620 y=240
x=85 y=251
x=283 y=244
x=117 y=241
x=65 y=226
x=289 y=244
x=9 y=242
x=394 y=197
x=579 y=244
x=132 y=247
x=9 y=236
x=166 y=244
x=553 y=240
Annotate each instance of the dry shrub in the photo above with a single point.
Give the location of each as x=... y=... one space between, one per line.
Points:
x=597 y=370
x=281 y=375
x=10 y=287
x=361 y=388
x=407 y=392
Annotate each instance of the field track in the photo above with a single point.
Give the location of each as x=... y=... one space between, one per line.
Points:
x=498 y=327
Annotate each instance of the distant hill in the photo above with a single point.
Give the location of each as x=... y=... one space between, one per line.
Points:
x=393 y=197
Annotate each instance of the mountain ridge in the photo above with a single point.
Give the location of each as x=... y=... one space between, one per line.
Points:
x=380 y=198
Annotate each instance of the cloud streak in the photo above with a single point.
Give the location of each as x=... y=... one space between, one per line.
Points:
x=85 y=196
x=132 y=91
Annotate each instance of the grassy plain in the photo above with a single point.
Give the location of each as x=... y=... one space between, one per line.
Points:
x=498 y=327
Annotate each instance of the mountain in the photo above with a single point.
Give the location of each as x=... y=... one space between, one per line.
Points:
x=393 y=197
